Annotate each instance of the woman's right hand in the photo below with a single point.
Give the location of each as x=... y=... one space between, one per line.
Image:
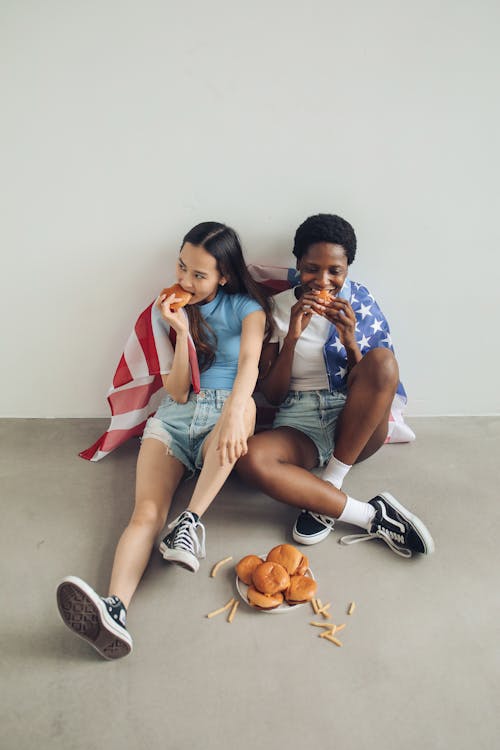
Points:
x=300 y=315
x=176 y=320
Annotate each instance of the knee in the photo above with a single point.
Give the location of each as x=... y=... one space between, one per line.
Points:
x=148 y=517
x=253 y=465
x=381 y=368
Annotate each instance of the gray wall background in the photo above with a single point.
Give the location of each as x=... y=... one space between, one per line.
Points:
x=125 y=123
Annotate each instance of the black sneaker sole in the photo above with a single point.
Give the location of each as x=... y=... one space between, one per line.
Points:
x=84 y=613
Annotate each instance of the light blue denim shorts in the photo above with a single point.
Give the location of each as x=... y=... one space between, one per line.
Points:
x=314 y=413
x=182 y=428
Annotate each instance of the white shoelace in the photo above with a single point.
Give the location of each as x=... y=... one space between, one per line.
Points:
x=185 y=537
x=387 y=536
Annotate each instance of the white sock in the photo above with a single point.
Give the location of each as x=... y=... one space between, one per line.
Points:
x=357 y=513
x=334 y=472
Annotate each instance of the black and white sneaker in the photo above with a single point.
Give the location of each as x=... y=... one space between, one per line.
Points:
x=403 y=532
x=182 y=545
x=311 y=528
x=99 y=621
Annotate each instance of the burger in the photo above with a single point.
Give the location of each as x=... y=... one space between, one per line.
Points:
x=181 y=296
x=301 y=589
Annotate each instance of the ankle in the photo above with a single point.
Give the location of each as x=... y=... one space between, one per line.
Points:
x=335 y=472
x=357 y=513
x=116 y=608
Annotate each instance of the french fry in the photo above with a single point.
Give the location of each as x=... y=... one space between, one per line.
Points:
x=231 y=615
x=222 y=609
x=323 y=610
x=321 y=624
x=340 y=627
x=328 y=633
x=314 y=605
x=218 y=565
x=352 y=607
x=332 y=639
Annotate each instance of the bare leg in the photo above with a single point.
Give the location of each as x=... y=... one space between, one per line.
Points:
x=362 y=426
x=279 y=461
x=157 y=478
x=213 y=475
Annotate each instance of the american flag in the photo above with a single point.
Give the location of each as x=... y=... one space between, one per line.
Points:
x=136 y=390
x=372 y=331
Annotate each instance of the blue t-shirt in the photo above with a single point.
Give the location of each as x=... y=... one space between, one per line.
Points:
x=225 y=314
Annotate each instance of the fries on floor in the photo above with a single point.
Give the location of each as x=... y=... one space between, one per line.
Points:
x=219 y=565
x=222 y=609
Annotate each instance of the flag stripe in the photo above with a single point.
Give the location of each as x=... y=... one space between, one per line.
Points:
x=122 y=374
x=113 y=438
x=146 y=338
x=128 y=400
x=134 y=416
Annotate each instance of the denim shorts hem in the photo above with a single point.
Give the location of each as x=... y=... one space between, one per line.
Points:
x=315 y=414
x=154 y=430
x=183 y=428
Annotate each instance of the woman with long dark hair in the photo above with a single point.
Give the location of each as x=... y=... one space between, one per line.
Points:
x=228 y=319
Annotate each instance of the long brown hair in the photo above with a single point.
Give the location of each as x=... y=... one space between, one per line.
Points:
x=224 y=245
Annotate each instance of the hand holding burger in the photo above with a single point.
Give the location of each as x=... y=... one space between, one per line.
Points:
x=181 y=297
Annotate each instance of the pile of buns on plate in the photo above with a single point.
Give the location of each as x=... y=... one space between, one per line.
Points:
x=280 y=578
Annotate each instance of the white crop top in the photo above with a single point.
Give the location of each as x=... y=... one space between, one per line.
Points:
x=308 y=368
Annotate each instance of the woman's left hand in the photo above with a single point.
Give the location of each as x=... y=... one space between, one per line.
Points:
x=232 y=440
x=340 y=313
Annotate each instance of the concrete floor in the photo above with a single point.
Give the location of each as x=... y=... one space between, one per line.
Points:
x=420 y=663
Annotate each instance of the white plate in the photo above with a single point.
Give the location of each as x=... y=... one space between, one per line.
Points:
x=242 y=589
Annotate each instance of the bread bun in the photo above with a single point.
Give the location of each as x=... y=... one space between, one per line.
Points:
x=182 y=296
x=301 y=589
x=270 y=577
x=263 y=601
x=303 y=566
x=246 y=567
x=286 y=555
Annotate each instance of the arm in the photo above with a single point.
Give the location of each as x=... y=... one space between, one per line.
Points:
x=340 y=313
x=233 y=433
x=178 y=381
x=277 y=367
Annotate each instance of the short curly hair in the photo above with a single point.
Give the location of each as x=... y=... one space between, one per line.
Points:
x=325 y=228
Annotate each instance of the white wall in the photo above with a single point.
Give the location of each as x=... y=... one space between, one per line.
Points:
x=125 y=123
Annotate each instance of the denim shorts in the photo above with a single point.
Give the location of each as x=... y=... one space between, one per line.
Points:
x=183 y=427
x=314 y=413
